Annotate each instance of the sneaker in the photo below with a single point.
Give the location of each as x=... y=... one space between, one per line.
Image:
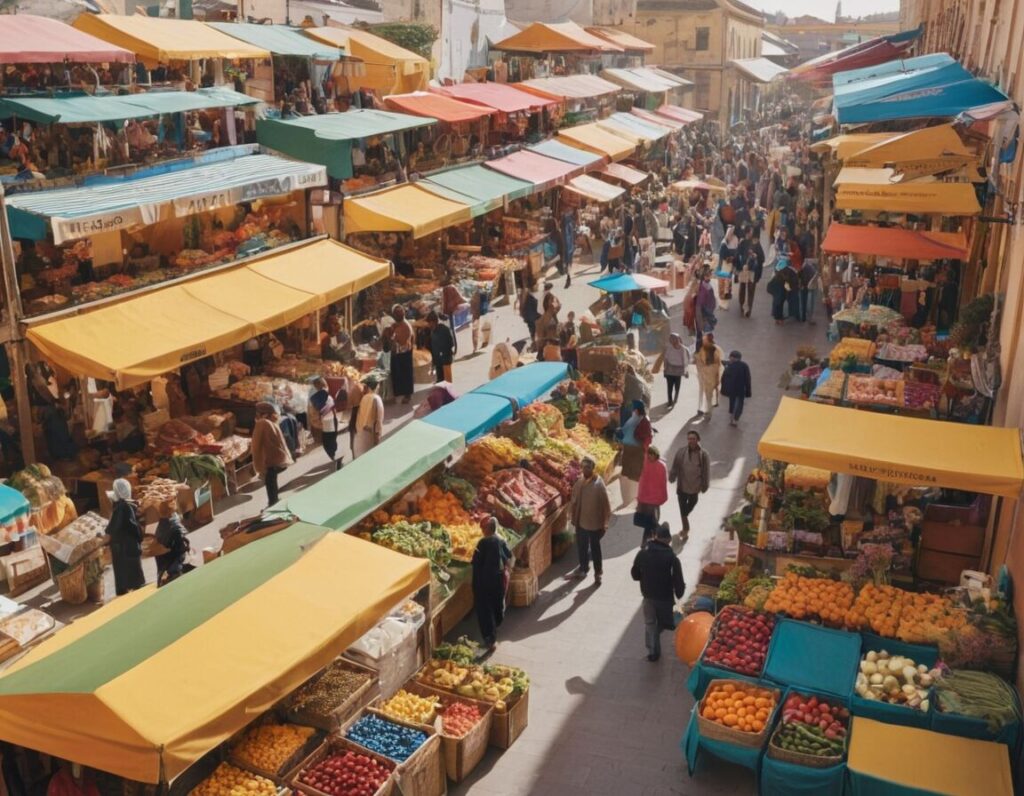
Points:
x=653 y=658
x=597 y=578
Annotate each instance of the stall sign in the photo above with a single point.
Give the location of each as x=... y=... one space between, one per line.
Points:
x=65 y=229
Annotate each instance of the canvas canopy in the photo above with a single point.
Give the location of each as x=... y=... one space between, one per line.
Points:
x=620 y=38
x=759 y=70
x=157 y=40
x=899 y=244
x=543 y=37
x=31 y=39
x=525 y=384
x=498 y=96
x=146 y=335
x=928 y=143
x=598 y=139
x=279 y=40
x=937 y=101
x=895 y=66
x=482 y=189
x=633 y=128
x=651 y=116
x=542 y=171
x=437 y=106
x=262 y=620
x=87 y=109
x=328 y=138
x=625 y=174
x=404 y=208
x=106 y=204
x=846 y=145
x=472 y=415
x=595 y=190
x=389 y=69
x=375 y=477
x=627 y=283
x=903 y=450
x=641 y=80
x=570 y=154
x=571 y=87
x=684 y=115
x=949 y=198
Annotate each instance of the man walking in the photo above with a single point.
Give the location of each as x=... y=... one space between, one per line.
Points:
x=490 y=563
x=661 y=579
x=589 y=510
x=442 y=348
x=736 y=385
x=691 y=473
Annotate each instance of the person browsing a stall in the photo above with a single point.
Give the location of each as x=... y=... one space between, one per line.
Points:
x=491 y=560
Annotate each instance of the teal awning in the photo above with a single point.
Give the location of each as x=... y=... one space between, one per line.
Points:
x=86 y=109
x=279 y=40
x=327 y=139
x=340 y=500
x=482 y=189
x=525 y=384
x=568 y=154
x=473 y=414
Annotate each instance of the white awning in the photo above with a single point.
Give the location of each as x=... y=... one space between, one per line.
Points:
x=759 y=70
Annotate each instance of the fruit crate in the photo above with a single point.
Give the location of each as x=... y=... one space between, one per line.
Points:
x=508 y=724
x=331 y=720
x=799 y=758
x=461 y=754
x=422 y=774
x=336 y=745
x=522 y=588
x=718 y=732
x=280 y=776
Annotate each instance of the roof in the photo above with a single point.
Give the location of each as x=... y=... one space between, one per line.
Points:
x=623 y=173
x=472 y=414
x=160 y=39
x=632 y=128
x=627 y=283
x=650 y=116
x=571 y=86
x=526 y=384
x=893 y=67
x=899 y=244
x=263 y=620
x=437 y=106
x=542 y=37
x=593 y=189
x=937 y=101
x=404 y=208
x=278 y=39
x=677 y=5
x=902 y=450
x=499 y=96
x=684 y=115
x=670 y=76
x=893 y=82
x=388 y=68
x=480 y=188
x=223 y=309
x=28 y=39
x=570 y=154
x=770 y=49
x=622 y=39
x=113 y=203
x=86 y=108
x=759 y=70
x=542 y=171
x=640 y=80
x=598 y=139
x=874 y=51
x=939 y=141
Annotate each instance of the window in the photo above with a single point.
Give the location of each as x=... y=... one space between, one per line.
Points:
x=703 y=37
x=702 y=89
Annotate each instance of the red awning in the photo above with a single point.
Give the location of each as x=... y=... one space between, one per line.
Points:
x=625 y=174
x=657 y=118
x=437 y=106
x=684 y=115
x=541 y=171
x=899 y=244
x=499 y=96
x=28 y=39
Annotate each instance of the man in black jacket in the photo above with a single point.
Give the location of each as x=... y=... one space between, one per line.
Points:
x=442 y=348
x=661 y=582
x=735 y=385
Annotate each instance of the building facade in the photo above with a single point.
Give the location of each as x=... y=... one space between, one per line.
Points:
x=988 y=38
x=699 y=39
x=816 y=37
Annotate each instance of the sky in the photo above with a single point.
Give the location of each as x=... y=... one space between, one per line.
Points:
x=825 y=9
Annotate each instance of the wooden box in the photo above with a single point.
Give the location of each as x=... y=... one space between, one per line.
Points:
x=509 y=724
x=935 y=565
x=461 y=754
x=952 y=537
x=282 y=774
x=522 y=588
x=344 y=710
x=422 y=774
x=537 y=550
x=336 y=745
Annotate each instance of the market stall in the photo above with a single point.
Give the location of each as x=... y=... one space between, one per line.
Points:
x=387 y=68
x=472 y=415
x=684 y=115
x=404 y=208
x=481 y=188
x=552 y=148
x=595 y=138
x=462 y=129
x=526 y=384
x=518 y=113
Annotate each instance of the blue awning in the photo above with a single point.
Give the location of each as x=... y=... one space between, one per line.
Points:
x=627 y=283
x=929 y=61
x=85 y=109
x=934 y=101
x=525 y=384
x=567 y=154
x=877 y=88
x=482 y=189
x=473 y=414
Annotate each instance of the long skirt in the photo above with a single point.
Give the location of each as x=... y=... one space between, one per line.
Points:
x=632 y=461
x=402 y=381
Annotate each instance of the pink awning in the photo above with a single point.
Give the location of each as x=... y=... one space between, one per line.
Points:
x=28 y=39
x=437 y=106
x=626 y=174
x=684 y=115
x=541 y=171
x=656 y=118
x=499 y=96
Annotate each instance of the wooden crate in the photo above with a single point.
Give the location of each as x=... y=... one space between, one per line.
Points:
x=508 y=725
x=461 y=755
x=337 y=745
x=339 y=715
x=281 y=776
x=523 y=588
x=536 y=551
x=423 y=773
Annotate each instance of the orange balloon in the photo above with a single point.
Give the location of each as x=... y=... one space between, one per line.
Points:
x=691 y=636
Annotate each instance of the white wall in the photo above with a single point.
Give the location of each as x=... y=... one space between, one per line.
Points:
x=466 y=24
x=275 y=10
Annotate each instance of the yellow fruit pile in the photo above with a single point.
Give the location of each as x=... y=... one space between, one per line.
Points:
x=411 y=707
x=443 y=508
x=464 y=537
x=488 y=454
x=267 y=747
x=480 y=685
x=227 y=780
x=739 y=706
x=445 y=674
x=803 y=598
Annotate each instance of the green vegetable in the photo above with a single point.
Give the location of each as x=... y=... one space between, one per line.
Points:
x=196 y=469
x=979 y=695
x=464 y=651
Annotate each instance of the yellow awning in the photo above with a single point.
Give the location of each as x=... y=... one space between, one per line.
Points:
x=948 y=198
x=853 y=175
x=927 y=143
x=404 y=208
x=902 y=450
x=594 y=138
x=159 y=39
x=596 y=190
x=389 y=68
x=842 y=146
x=145 y=336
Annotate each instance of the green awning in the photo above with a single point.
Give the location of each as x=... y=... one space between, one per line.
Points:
x=279 y=39
x=327 y=138
x=340 y=500
x=482 y=189
x=86 y=109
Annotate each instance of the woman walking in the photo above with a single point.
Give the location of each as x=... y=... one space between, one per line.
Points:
x=270 y=456
x=323 y=414
x=675 y=361
x=369 y=419
x=708 y=361
x=636 y=434
x=402 y=339
x=125 y=539
x=652 y=493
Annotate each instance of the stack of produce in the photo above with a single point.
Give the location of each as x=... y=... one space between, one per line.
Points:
x=740 y=706
x=593 y=446
x=233 y=781
x=851 y=351
x=394 y=741
x=333 y=688
x=38 y=485
x=805 y=598
x=536 y=423
x=446 y=673
x=831 y=388
x=488 y=454
x=301 y=369
x=158 y=492
x=869 y=390
x=495 y=683
x=557 y=462
x=253 y=389
x=979 y=695
x=420 y=540
x=739 y=640
x=895 y=679
x=346 y=774
x=893 y=352
x=174 y=436
x=515 y=496
x=928 y=618
x=459 y=718
x=877 y=608
x=460 y=487
x=738 y=587
x=921 y=395
x=267 y=747
x=445 y=508
x=812 y=727
x=409 y=707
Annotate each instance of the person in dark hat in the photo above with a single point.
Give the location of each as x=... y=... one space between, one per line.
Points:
x=660 y=574
x=736 y=385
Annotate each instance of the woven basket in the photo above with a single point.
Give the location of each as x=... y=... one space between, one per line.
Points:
x=719 y=732
x=72 y=585
x=798 y=758
x=522 y=588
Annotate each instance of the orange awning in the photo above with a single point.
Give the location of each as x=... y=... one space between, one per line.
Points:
x=899 y=244
x=622 y=39
x=436 y=106
x=542 y=37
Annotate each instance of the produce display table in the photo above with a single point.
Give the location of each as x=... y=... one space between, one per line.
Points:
x=887 y=760
x=778 y=561
x=807 y=656
x=694 y=743
x=779 y=778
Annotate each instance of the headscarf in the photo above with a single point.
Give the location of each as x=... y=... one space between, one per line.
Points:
x=121 y=490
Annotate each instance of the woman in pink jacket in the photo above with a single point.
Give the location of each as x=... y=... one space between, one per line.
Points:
x=652 y=493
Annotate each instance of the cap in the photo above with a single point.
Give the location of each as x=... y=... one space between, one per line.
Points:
x=735 y=355
x=663 y=532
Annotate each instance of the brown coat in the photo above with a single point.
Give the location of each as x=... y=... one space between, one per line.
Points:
x=268 y=446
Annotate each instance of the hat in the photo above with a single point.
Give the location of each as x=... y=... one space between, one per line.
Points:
x=735 y=355
x=638 y=404
x=663 y=532
x=122 y=490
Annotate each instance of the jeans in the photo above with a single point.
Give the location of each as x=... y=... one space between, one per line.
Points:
x=778 y=304
x=735 y=406
x=588 y=545
x=687 y=502
x=657 y=617
x=270 y=482
x=673 y=383
x=747 y=297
